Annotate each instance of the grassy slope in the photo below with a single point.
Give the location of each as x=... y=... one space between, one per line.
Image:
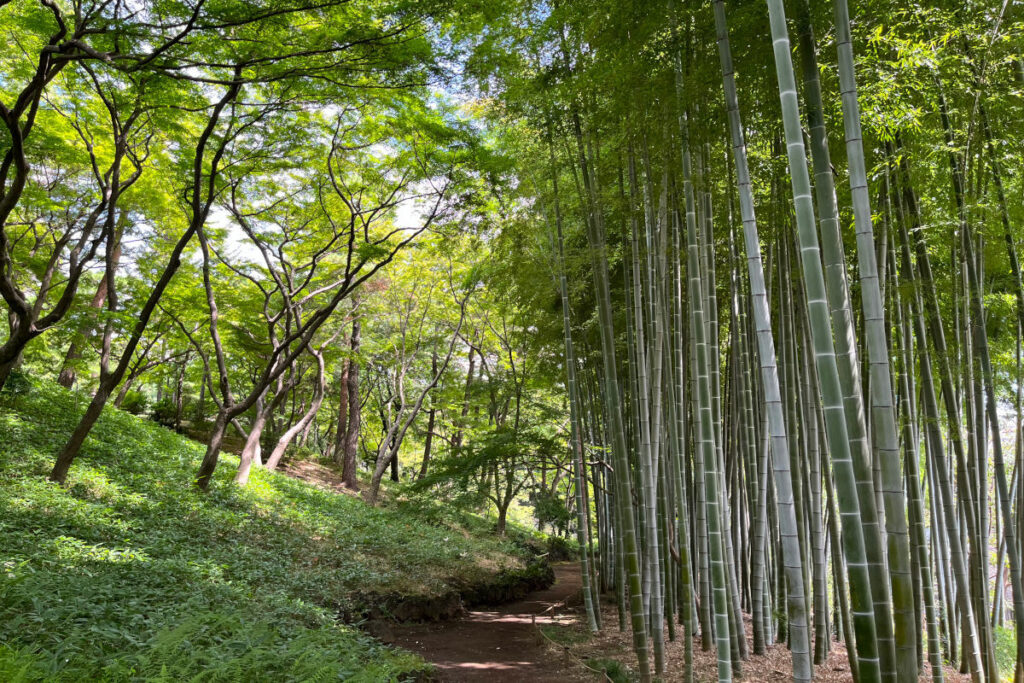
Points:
x=131 y=574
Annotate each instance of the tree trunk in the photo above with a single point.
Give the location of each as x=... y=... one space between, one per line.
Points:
x=251 y=455
x=179 y=394
x=338 y=454
x=502 y=519
x=431 y=418
x=213 y=446
x=457 y=438
x=387 y=454
x=67 y=375
x=307 y=418
x=351 y=446
x=200 y=211
x=123 y=391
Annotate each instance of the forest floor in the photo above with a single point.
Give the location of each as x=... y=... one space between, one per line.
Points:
x=501 y=644
x=129 y=573
x=543 y=638
x=612 y=651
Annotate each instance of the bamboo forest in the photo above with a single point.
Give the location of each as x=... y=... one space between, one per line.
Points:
x=532 y=340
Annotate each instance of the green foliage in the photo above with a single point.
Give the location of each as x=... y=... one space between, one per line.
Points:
x=17 y=383
x=21 y=665
x=565 y=635
x=1006 y=652
x=523 y=541
x=164 y=411
x=236 y=647
x=614 y=670
x=550 y=509
x=129 y=573
x=134 y=402
x=560 y=549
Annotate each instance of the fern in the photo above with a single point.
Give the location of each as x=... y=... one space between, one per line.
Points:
x=21 y=665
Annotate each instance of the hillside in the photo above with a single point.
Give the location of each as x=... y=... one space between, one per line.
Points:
x=130 y=573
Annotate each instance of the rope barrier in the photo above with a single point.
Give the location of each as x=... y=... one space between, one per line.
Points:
x=565 y=648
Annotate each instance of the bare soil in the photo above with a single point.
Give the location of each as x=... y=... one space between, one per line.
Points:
x=505 y=644
x=500 y=644
x=316 y=474
x=774 y=666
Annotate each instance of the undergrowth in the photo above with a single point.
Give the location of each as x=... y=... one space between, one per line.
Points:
x=1006 y=653
x=611 y=669
x=129 y=573
x=565 y=635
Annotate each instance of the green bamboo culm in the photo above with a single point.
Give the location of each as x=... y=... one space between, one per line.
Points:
x=706 y=444
x=824 y=353
x=778 y=442
x=700 y=508
x=838 y=293
x=705 y=451
x=883 y=410
x=911 y=440
x=679 y=452
x=648 y=355
x=622 y=485
x=943 y=492
x=837 y=290
x=576 y=436
x=1003 y=497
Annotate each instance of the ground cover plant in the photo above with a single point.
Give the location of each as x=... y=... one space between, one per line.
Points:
x=130 y=573
x=723 y=296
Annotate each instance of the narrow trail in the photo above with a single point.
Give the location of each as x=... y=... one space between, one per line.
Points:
x=498 y=644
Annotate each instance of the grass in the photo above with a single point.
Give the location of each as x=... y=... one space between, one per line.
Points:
x=565 y=635
x=613 y=670
x=128 y=573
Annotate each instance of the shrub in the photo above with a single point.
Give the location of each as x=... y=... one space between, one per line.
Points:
x=550 y=510
x=165 y=412
x=18 y=383
x=134 y=402
x=561 y=549
x=612 y=670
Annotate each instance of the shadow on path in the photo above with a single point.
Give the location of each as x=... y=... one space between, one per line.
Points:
x=500 y=643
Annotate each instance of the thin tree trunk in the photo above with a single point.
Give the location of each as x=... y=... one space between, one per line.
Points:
x=199 y=212
x=630 y=555
x=582 y=524
x=338 y=451
x=307 y=418
x=972 y=655
x=68 y=373
x=351 y=443
x=881 y=385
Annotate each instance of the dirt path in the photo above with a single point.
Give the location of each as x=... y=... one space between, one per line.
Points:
x=498 y=644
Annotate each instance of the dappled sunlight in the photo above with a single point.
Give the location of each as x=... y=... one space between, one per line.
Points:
x=487 y=666
x=292 y=554
x=93 y=482
x=334 y=323
x=506 y=643
x=75 y=551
